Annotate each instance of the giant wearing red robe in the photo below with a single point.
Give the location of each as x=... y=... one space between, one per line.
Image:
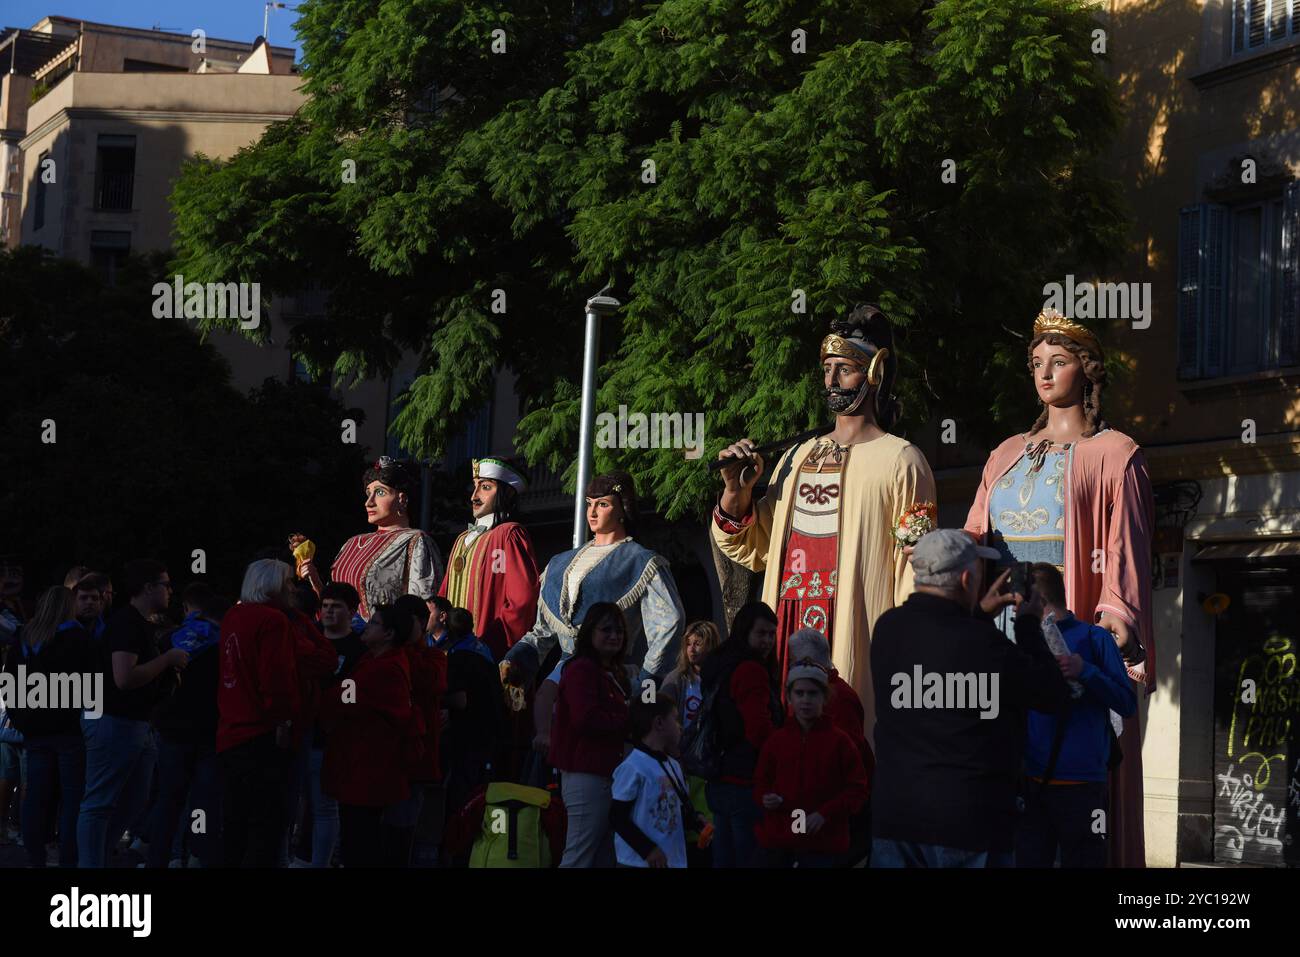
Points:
x=494 y=576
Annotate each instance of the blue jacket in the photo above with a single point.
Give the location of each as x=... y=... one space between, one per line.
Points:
x=470 y=642
x=196 y=634
x=1085 y=748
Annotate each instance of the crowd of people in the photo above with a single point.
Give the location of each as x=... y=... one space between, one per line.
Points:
x=286 y=730
x=882 y=702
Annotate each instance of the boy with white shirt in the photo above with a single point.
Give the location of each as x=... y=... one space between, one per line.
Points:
x=649 y=792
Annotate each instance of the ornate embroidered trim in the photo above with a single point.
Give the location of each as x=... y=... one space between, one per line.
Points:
x=634 y=596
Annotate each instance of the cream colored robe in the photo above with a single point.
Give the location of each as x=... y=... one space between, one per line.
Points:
x=883 y=478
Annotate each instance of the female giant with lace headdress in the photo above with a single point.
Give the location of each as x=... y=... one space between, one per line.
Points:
x=393 y=560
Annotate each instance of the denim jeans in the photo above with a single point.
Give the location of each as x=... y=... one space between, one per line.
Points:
x=324 y=813
x=735 y=814
x=52 y=757
x=188 y=778
x=890 y=853
x=140 y=824
x=120 y=758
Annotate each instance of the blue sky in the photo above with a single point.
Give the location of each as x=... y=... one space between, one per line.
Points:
x=223 y=19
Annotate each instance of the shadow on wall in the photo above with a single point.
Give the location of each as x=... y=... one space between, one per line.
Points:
x=1170 y=124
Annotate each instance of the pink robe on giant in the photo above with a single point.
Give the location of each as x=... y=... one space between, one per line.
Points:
x=1108 y=506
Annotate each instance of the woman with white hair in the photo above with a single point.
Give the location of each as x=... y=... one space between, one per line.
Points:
x=257 y=699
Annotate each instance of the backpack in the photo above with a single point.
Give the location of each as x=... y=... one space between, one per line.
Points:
x=701 y=745
x=513 y=834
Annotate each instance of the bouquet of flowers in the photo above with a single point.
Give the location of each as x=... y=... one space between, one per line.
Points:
x=917 y=519
x=303 y=548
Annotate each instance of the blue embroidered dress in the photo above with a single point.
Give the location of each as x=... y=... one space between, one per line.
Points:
x=1027 y=516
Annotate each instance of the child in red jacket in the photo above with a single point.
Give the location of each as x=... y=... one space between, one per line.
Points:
x=844 y=708
x=809 y=780
x=371 y=724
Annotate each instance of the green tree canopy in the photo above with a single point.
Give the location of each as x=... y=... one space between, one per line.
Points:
x=795 y=146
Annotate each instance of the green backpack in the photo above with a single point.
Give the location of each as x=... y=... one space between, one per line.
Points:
x=513 y=834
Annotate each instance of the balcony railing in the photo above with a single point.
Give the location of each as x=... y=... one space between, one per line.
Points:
x=113 y=190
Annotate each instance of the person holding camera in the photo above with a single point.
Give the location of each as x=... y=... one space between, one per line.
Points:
x=951 y=694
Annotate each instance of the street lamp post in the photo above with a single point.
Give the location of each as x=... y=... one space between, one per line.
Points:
x=426 y=493
x=266 y=19
x=598 y=305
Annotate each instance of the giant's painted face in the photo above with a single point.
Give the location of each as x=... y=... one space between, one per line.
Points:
x=604 y=514
x=383 y=502
x=841 y=379
x=1058 y=374
x=483 y=500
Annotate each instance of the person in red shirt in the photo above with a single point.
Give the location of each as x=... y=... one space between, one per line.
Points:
x=371 y=727
x=428 y=665
x=316 y=662
x=741 y=675
x=257 y=700
x=844 y=708
x=588 y=732
x=809 y=780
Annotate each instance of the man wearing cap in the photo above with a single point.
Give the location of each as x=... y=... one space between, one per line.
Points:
x=951 y=698
x=824 y=531
x=492 y=571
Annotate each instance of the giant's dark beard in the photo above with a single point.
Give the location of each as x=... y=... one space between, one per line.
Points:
x=840 y=401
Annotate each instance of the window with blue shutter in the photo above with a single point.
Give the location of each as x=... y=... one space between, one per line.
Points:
x=1201 y=290
x=1189 y=233
x=1213 y=300
x=1257 y=23
x=1239 y=286
x=1288 y=328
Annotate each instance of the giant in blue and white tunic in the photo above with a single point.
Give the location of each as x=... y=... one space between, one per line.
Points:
x=625 y=573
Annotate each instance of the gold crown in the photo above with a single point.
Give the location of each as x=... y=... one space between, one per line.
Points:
x=1051 y=321
x=836 y=345
x=841 y=348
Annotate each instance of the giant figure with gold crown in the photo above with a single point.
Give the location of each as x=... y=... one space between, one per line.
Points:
x=1075 y=493
x=824 y=531
x=492 y=571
